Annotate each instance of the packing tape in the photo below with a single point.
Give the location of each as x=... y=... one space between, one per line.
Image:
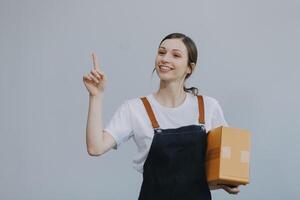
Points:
x=226 y=152
x=245 y=157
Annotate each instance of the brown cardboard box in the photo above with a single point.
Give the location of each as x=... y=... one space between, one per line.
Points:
x=228 y=156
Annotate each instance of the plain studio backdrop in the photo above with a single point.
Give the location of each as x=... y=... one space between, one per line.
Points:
x=248 y=60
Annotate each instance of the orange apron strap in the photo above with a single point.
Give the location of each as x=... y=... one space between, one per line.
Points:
x=150 y=112
x=201 y=109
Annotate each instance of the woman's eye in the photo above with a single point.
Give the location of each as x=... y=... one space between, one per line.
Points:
x=160 y=52
x=176 y=55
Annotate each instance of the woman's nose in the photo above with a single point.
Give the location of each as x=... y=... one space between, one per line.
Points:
x=166 y=57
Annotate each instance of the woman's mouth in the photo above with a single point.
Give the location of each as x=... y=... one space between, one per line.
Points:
x=164 y=68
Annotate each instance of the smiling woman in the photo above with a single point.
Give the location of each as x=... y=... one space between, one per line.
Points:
x=169 y=126
x=182 y=49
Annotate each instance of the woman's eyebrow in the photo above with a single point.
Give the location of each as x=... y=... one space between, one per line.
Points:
x=172 y=49
x=177 y=50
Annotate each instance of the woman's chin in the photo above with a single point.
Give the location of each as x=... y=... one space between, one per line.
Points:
x=166 y=79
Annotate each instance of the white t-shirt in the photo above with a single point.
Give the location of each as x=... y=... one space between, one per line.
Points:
x=130 y=120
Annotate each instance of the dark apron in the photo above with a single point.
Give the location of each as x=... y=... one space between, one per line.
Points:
x=175 y=165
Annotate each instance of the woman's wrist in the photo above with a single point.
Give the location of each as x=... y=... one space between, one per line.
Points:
x=98 y=96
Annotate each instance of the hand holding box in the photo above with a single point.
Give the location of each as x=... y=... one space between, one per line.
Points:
x=228 y=156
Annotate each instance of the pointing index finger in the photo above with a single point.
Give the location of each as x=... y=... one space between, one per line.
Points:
x=95 y=61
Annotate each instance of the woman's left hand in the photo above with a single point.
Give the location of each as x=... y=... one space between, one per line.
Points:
x=231 y=189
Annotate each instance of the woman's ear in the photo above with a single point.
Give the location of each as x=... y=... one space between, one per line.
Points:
x=193 y=65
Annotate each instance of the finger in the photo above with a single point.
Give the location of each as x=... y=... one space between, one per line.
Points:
x=230 y=190
x=101 y=74
x=99 y=71
x=95 y=61
x=94 y=72
x=229 y=186
x=86 y=77
x=94 y=79
x=233 y=190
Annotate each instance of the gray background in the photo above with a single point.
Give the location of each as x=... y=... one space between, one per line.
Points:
x=247 y=61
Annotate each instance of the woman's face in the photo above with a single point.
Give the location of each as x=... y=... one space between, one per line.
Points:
x=171 y=60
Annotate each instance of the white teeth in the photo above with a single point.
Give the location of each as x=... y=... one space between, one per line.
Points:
x=165 y=67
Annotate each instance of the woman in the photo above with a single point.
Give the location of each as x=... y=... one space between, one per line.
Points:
x=169 y=126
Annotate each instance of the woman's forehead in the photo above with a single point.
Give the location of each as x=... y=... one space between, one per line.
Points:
x=174 y=44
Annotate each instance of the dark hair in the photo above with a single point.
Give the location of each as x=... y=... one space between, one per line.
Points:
x=192 y=56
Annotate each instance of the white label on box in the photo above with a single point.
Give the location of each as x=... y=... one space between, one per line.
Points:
x=226 y=152
x=245 y=157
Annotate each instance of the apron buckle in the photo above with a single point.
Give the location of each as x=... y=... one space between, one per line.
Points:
x=158 y=130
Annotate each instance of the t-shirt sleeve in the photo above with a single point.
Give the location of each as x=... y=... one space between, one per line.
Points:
x=218 y=118
x=120 y=125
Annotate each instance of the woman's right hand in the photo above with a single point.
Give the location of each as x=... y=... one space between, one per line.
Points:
x=95 y=81
x=231 y=189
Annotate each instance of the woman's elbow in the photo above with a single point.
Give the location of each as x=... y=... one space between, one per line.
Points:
x=94 y=153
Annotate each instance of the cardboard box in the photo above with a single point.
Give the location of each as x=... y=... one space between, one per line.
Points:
x=228 y=156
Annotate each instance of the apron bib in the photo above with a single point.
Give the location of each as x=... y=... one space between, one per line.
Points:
x=175 y=165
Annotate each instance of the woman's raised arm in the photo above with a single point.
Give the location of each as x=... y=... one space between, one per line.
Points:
x=98 y=141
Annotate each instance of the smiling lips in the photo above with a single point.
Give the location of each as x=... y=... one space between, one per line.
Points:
x=164 y=68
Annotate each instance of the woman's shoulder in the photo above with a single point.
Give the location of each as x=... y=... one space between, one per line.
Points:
x=136 y=101
x=210 y=103
x=208 y=100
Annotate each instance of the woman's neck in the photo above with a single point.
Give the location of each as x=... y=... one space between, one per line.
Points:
x=170 y=95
